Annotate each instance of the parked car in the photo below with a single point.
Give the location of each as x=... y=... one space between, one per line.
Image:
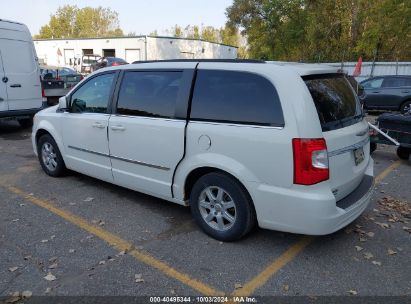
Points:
x=283 y=145
x=67 y=76
x=87 y=62
x=104 y=62
x=358 y=88
x=388 y=93
x=57 y=82
x=20 y=88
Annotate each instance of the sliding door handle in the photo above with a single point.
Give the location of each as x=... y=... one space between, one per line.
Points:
x=1 y=99
x=15 y=85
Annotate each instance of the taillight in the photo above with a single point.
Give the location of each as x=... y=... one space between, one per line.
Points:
x=310 y=161
x=43 y=94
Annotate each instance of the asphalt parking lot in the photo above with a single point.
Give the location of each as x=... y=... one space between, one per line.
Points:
x=80 y=236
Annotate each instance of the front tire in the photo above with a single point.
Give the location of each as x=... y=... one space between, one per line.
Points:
x=26 y=122
x=50 y=157
x=403 y=152
x=222 y=207
x=406 y=107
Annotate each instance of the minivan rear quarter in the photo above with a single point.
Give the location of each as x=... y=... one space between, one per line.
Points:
x=286 y=145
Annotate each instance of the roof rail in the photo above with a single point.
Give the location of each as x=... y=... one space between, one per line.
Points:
x=9 y=21
x=204 y=60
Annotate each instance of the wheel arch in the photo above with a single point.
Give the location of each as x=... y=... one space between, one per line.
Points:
x=408 y=99
x=45 y=127
x=198 y=172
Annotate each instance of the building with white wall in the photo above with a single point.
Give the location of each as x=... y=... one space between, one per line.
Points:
x=64 y=52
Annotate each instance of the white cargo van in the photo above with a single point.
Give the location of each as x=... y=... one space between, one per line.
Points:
x=20 y=87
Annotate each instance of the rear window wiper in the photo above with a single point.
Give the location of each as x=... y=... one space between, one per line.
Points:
x=340 y=122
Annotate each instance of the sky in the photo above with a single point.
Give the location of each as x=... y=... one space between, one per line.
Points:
x=139 y=16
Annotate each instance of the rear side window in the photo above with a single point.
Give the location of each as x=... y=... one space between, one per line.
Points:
x=394 y=82
x=235 y=97
x=336 y=103
x=149 y=93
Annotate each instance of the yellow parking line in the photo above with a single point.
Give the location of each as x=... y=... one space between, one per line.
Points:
x=387 y=171
x=269 y=271
x=260 y=279
x=120 y=244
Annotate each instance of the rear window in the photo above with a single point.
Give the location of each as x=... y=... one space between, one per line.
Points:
x=235 y=97
x=336 y=103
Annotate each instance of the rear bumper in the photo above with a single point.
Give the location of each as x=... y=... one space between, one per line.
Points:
x=312 y=211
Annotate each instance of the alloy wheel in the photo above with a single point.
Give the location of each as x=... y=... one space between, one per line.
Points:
x=217 y=208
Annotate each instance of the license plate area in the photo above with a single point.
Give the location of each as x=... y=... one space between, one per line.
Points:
x=359 y=156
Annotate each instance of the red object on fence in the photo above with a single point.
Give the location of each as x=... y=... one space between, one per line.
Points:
x=357 y=70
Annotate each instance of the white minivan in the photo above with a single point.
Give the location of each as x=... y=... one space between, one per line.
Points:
x=20 y=86
x=285 y=146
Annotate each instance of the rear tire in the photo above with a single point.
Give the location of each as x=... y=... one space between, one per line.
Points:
x=26 y=122
x=403 y=152
x=221 y=207
x=406 y=107
x=50 y=157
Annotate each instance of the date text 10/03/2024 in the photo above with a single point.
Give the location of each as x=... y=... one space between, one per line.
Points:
x=183 y=299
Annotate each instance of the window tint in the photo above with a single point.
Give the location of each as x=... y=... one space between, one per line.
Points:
x=238 y=97
x=373 y=84
x=94 y=95
x=334 y=99
x=152 y=94
x=394 y=82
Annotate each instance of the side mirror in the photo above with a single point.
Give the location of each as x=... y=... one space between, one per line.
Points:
x=63 y=103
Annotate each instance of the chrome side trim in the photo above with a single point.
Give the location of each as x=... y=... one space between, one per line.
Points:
x=349 y=148
x=233 y=124
x=88 y=151
x=140 y=163
x=121 y=158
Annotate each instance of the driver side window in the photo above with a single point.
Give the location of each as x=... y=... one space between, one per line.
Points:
x=93 y=96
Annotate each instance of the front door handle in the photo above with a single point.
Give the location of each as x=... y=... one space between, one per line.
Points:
x=15 y=85
x=375 y=91
x=98 y=125
x=117 y=128
x=405 y=91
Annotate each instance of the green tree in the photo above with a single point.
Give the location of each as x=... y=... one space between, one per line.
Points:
x=385 y=30
x=209 y=33
x=323 y=30
x=177 y=31
x=70 y=21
